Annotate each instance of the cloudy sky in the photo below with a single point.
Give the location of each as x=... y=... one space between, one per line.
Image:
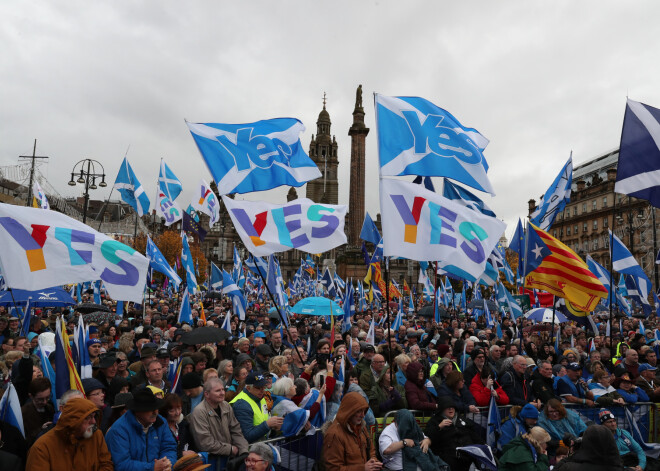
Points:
x=539 y=79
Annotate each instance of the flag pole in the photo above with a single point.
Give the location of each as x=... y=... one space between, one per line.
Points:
x=612 y=287
x=552 y=332
x=389 y=325
x=435 y=293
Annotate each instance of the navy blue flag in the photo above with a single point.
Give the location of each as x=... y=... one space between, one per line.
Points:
x=328 y=281
x=536 y=252
x=369 y=230
x=255 y=156
x=158 y=262
x=638 y=169
x=190 y=225
x=517 y=243
x=428 y=183
x=465 y=198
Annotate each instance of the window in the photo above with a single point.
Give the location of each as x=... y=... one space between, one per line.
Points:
x=595 y=244
x=554 y=234
x=575 y=210
x=605 y=223
x=584 y=228
x=575 y=230
x=586 y=246
x=594 y=205
x=584 y=208
x=595 y=224
x=604 y=201
x=568 y=230
x=561 y=232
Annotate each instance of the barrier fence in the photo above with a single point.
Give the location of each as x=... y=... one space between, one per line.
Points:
x=300 y=453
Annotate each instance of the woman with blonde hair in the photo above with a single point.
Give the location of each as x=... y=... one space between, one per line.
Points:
x=278 y=367
x=527 y=452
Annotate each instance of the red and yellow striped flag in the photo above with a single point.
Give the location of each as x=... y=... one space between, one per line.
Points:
x=202 y=316
x=564 y=274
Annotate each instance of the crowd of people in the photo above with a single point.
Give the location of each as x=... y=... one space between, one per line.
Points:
x=156 y=401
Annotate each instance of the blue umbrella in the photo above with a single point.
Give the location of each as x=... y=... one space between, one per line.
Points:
x=317 y=306
x=51 y=297
x=543 y=314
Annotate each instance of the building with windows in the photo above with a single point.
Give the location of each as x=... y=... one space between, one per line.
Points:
x=595 y=208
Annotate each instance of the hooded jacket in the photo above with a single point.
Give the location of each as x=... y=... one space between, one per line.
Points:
x=520 y=455
x=59 y=449
x=343 y=449
x=598 y=452
x=417 y=395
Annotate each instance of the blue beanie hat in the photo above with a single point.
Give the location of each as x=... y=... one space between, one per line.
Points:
x=529 y=412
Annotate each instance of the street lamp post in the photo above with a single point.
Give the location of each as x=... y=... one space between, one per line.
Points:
x=87 y=176
x=630 y=220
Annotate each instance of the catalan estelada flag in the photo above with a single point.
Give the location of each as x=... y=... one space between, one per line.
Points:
x=553 y=267
x=406 y=289
x=375 y=276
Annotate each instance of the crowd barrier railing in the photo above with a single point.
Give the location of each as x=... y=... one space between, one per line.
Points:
x=298 y=453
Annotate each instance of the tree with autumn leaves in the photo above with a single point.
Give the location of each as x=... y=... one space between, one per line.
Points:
x=169 y=243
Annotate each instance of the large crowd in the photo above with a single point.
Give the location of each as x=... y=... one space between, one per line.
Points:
x=155 y=402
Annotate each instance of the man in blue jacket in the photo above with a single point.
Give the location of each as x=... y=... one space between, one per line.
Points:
x=141 y=439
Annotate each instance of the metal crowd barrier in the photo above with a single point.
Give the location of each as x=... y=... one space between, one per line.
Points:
x=298 y=453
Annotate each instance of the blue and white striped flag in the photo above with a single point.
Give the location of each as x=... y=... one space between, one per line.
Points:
x=255 y=156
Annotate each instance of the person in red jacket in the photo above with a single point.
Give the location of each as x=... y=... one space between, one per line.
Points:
x=484 y=386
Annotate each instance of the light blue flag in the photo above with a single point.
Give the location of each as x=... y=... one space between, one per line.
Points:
x=656 y=302
x=624 y=262
x=230 y=288
x=339 y=283
x=120 y=308
x=490 y=275
x=369 y=230
x=489 y=318
x=192 y=213
x=97 y=291
x=158 y=262
x=10 y=409
x=168 y=182
x=48 y=370
x=465 y=198
x=188 y=264
x=216 y=277
x=237 y=269
x=514 y=307
x=555 y=198
x=78 y=293
x=362 y=301
x=185 y=313
x=638 y=168
x=257 y=265
x=273 y=280
x=255 y=156
x=416 y=137
x=131 y=190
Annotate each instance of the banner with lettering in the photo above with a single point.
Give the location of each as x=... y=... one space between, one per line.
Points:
x=419 y=224
x=300 y=224
x=41 y=248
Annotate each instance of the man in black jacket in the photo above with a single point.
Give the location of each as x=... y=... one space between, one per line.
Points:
x=542 y=382
x=515 y=384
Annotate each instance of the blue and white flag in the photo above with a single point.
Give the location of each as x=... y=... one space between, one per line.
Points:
x=237 y=268
x=274 y=281
x=227 y=322
x=207 y=202
x=465 y=198
x=216 y=277
x=257 y=265
x=349 y=308
x=27 y=319
x=517 y=243
x=624 y=262
x=638 y=169
x=490 y=275
x=369 y=230
x=555 y=198
x=230 y=288
x=638 y=290
x=188 y=264
x=131 y=190
x=80 y=338
x=416 y=137
x=10 y=409
x=255 y=156
x=158 y=262
x=168 y=182
x=493 y=430
x=185 y=313
x=650 y=449
x=328 y=282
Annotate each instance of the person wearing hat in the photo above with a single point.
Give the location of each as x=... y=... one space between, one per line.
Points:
x=631 y=394
x=251 y=409
x=646 y=381
x=95 y=392
x=478 y=357
x=74 y=443
x=119 y=407
x=573 y=388
x=632 y=454
x=106 y=370
x=191 y=384
x=94 y=350
x=193 y=462
x=215 y=427
x=263 y=353
x=141 y=437
x=518 y=423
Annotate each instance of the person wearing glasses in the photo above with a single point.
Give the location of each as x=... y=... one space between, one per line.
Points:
x=261 y=458
x=39 y=411
x=74 y=443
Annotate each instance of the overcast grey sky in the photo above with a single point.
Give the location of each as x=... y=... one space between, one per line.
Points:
x=539 y=79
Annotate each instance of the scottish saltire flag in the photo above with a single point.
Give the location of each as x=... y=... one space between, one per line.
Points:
x=27 y=319
x=168 y=182
x=257 y=265
x=131 y=190
x=230 y=288
x=255 y=156
x=10 y=409
x=349 y=309
x=555 y=198
x=39 y=199
x=158 y=262
x=42 y=352
x=650 y=449
x=185 y=313
x=369 y=230
x=362 y=301
x=227 y=322
x=624 y=262
x=216 y=277
x=493 y=429
x=638 y=290
x=422 y=225
x=656 y=303
x=188 y=264
x=328 y=282
x=415 y=137
x=67 y=376
x=517 y=243
x=398 y=321
x=274 y=282
x=463 y=197
x=84 y=363
x=638 y=169
x=514 y=307
x=490 y=276
x=487 y=315
x=237 y=267
x=206 y=202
